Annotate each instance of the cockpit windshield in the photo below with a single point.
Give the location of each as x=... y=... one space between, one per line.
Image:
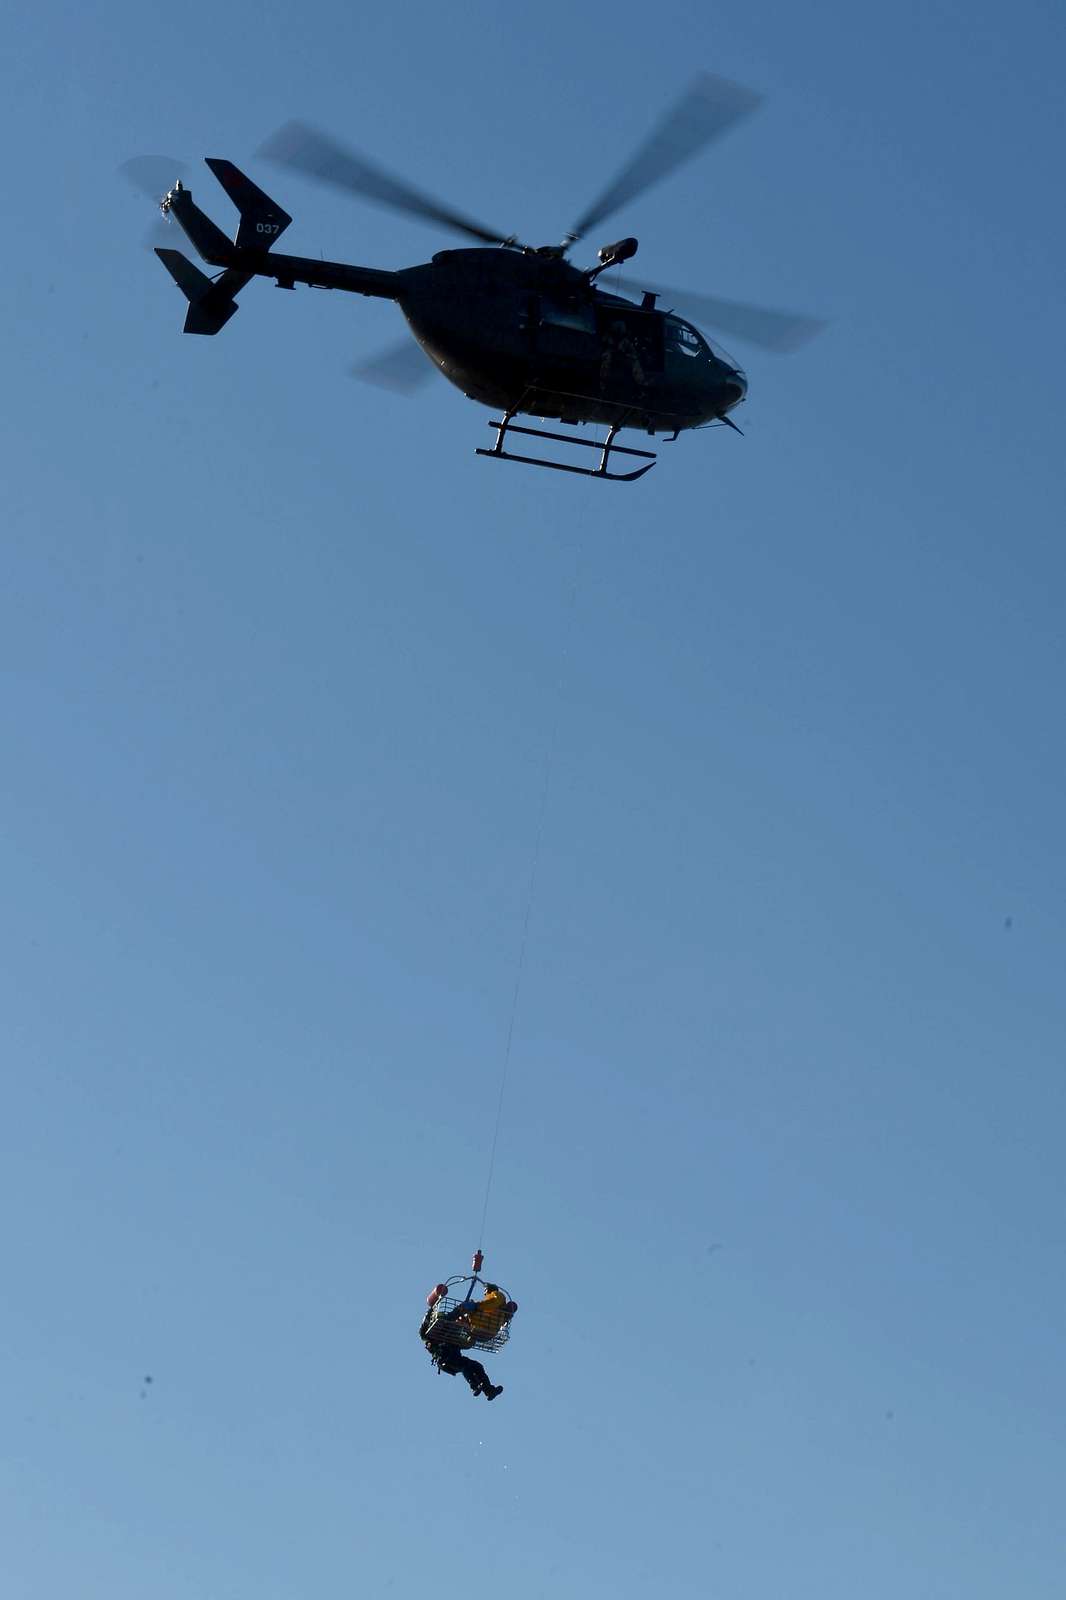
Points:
x=683 y=340
x=686 y=343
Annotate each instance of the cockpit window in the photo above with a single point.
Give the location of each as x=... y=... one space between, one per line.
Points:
x=683 y=340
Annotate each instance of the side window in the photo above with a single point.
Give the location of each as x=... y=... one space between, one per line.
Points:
x=576 y=318
x=566 y=331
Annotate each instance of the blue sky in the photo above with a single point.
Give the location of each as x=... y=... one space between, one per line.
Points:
x=779 y=1184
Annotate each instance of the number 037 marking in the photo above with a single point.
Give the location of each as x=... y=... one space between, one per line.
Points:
x=267 y=227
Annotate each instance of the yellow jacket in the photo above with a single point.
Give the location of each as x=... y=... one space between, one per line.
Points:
x=488 y=1316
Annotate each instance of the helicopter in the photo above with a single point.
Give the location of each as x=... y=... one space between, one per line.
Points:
x=516 y=327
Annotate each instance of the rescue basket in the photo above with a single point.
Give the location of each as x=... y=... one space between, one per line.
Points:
x=459 y=1322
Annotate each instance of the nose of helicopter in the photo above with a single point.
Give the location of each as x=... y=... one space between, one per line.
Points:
x=736 y=387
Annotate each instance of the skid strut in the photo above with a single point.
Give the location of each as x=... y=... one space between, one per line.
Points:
x=607 y=448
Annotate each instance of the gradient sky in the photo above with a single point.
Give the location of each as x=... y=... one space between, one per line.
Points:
x=780 y=1176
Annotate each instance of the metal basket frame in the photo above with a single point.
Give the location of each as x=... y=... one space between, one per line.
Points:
x=450 y=1327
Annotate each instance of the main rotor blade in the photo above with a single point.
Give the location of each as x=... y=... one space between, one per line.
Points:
x=773 y=330
x=306 y=150
x=708 y=108
x=402 y=368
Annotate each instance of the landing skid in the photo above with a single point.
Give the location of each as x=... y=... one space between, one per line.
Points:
x=607 y=449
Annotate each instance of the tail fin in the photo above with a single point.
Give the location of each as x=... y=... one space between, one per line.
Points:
x=262 y=219
x=211 y=302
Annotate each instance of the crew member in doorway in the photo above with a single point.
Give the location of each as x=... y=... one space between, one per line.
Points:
x=620 y=356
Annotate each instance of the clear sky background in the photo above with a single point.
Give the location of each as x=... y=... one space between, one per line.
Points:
x=780 y=1177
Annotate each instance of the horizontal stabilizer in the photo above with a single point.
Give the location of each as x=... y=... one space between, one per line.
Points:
x=193 y=283
x=211 y=304
x=262 y=219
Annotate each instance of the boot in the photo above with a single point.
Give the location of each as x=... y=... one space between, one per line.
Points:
x=490 y=1392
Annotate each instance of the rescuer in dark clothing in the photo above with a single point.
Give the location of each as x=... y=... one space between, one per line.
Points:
x=446 y=1353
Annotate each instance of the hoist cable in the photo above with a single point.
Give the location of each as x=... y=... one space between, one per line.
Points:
x=549 y=762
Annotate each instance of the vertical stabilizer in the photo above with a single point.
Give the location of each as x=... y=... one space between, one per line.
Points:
x=262 y=219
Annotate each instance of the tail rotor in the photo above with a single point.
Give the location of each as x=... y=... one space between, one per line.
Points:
x=153 y=177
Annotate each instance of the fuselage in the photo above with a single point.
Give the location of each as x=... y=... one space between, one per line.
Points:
x=528 y=332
